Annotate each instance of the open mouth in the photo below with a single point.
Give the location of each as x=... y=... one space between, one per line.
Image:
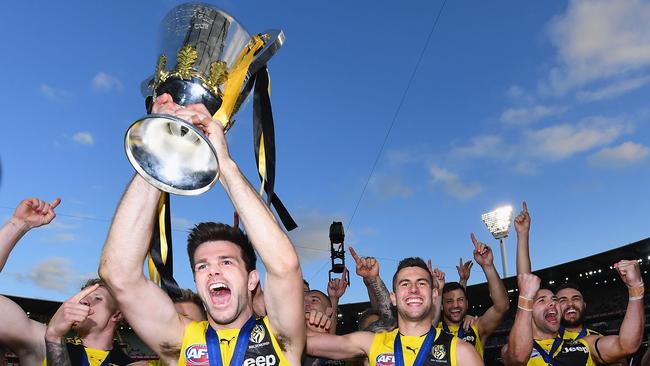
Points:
x=219 y=293
x=570 y=313
x=551 y=316
x=413 y=301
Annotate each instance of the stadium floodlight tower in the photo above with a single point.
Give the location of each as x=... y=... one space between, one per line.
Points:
x=498 y=222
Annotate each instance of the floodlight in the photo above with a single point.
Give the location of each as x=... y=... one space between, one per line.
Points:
x=498 y=222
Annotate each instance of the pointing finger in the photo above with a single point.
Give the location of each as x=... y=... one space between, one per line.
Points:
x=474 y=240
x=524 y=206
x=354 y=255
x=83 y=293
x=55 y=203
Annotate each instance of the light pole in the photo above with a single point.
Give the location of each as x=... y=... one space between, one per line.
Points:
x=498 y=222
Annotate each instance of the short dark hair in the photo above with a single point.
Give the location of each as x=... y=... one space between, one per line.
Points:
x=213 y=231
x=451 y=286
x=304 y=281
x=94 y=281
x=568 y=285
x=327 y=298
x=412 y=262
x=187 y=295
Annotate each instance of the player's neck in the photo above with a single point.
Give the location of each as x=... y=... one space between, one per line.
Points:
x=238 y=323
x=450 y=322
x=414 y=328
x=575 y=329
x=540 y=334
x=102 y=340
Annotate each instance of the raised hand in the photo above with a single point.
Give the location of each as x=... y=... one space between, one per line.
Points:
x=522 y=221
x=336 y=287
x=367 y=267
x=630 y=272
x=319 y=322
x=528 y=285
x=34 y=212
x=482 y=252
x=464 y=270
x=69 y=314
x=438 y=276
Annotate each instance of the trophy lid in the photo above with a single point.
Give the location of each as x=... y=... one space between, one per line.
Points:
x=198 y=44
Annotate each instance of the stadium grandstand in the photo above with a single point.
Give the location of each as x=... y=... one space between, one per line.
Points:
x=600 y=284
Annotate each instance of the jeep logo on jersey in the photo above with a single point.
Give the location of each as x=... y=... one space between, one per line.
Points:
x=257 y=334
x=438 y=352
x=385 y=359
x=268 y=360
x=197 y=355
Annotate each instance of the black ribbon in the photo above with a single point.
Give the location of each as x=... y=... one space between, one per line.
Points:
x=421 y=358
x=214 y=349
x=263 y=127
x=165 y=269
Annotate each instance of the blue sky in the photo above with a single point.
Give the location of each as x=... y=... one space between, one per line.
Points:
x=538 y=101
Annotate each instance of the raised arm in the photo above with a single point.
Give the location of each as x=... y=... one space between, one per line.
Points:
x=335 y=290
x=145 y=306
x=630 y=335
x=70 y=312
x=283 y=295
x=520 y=341
x=522 y=227
x=30 y=213
x=20 y=334
x=493 y=316
x=438 y=284
x=368 y=269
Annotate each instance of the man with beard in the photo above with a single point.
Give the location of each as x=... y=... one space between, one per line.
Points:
x=223 y=263
x=414 y=342
x=534 y=337
x=573 y=310
x=455 y=303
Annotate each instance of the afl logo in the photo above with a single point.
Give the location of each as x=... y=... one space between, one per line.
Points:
x=257 y=334
x=385 y=359
x=438 y=352
x=197 y=355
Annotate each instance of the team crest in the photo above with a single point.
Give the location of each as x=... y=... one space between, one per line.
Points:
x=438 y=352
x=257 y=335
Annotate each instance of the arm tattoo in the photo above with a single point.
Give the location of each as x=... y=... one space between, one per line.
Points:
x=57 y=354
x=379 y=296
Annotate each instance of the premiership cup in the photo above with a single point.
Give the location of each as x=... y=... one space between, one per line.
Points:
x=213 y=57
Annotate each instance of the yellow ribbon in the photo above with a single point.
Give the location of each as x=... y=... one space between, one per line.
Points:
x=236 y=80
x=154 y=275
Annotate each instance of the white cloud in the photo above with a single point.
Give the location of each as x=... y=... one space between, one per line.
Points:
x=390 y=186
x=564 y=140
x=181 y=223
x=452 y=184
x=597 y=40
x=63 y=237
x=485 y=146
x=613 y=90
x=53 y=93
x=311 y=238
x=526 y=115
x=626 y=154
x=83 y=138
x=102 y=82
x=55 y=274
